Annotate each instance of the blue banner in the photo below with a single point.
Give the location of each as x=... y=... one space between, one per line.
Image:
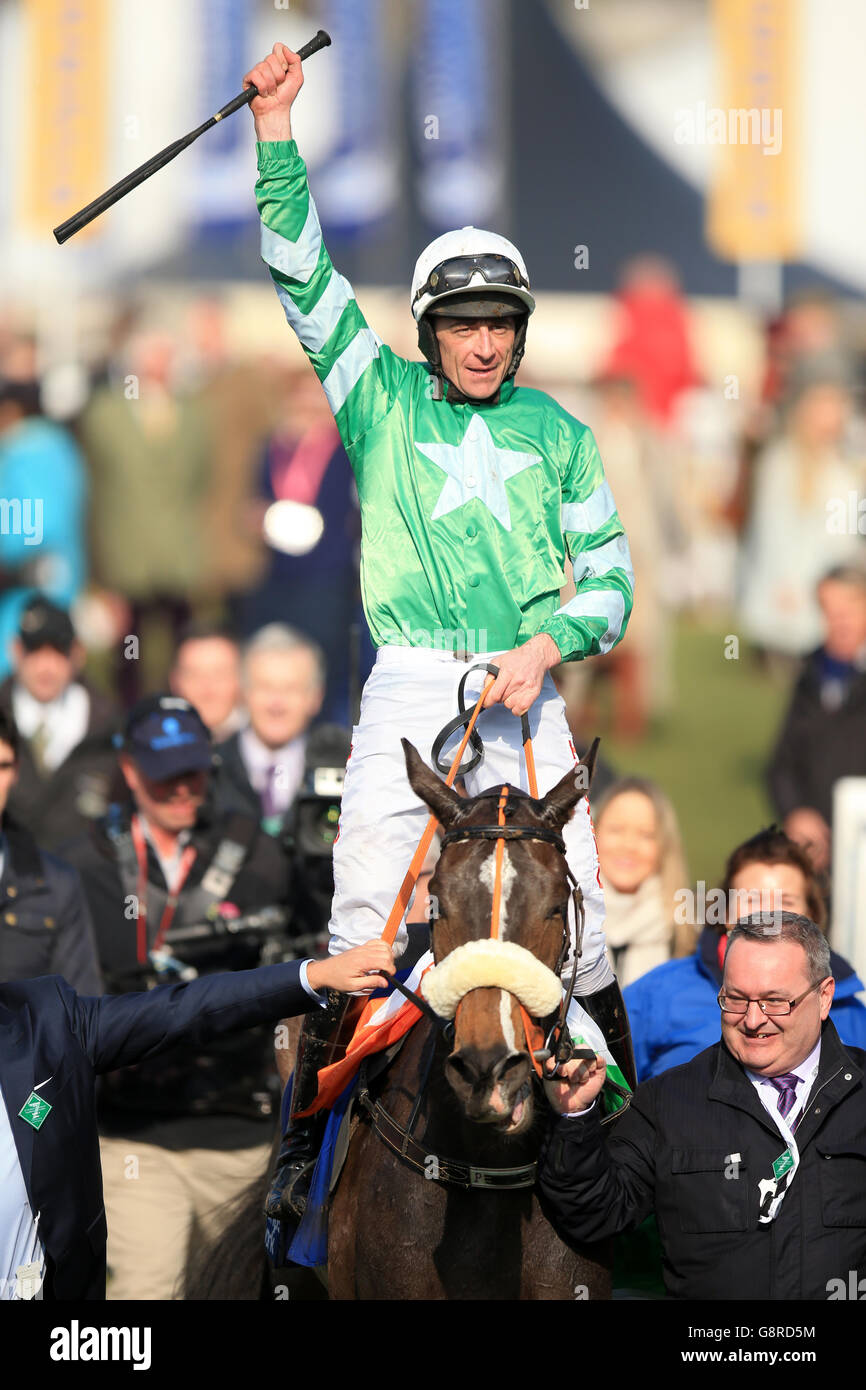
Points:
x=226 y=167
x=458 y=111
x=356 y=182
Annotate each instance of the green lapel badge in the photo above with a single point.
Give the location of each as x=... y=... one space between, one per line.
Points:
x=34 y=1110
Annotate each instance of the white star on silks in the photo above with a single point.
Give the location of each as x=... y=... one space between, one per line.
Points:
x=476 y=468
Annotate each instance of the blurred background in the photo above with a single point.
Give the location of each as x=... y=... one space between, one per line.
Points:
x=685 y=181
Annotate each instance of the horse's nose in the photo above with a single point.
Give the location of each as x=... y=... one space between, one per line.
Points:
x=486 y=1080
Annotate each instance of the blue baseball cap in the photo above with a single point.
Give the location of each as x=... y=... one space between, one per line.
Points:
x=165 y=735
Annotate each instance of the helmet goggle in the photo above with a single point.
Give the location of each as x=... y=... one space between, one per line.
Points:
x=457 y=272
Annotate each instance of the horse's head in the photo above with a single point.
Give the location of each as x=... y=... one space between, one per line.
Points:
x=519 y=942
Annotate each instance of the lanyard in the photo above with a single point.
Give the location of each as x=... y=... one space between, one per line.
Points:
x=772 y=1190
x=186 y=863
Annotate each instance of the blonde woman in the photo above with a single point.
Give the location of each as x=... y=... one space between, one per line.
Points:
x=642 y=866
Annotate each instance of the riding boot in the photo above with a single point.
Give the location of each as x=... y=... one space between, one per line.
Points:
x=324 y=1038
x=607 y=1008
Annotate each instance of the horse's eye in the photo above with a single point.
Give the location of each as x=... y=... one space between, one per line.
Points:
x=555 y=912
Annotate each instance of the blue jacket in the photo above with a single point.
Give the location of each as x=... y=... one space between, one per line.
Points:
x=674 y=1014
x=55 y=1039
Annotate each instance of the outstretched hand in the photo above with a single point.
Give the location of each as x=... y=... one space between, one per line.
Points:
x=359 y=970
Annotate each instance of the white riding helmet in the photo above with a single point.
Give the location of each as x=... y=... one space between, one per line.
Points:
x=470 y=273
x=468 y=242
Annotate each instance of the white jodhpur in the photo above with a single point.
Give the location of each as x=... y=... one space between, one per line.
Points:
x=411 y=693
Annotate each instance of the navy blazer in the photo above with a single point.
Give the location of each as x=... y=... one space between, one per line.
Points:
x=50 y=1034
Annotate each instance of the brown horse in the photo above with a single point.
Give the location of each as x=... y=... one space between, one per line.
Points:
x=469 y=1095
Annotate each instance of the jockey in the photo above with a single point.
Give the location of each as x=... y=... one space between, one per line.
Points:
x=473 y=494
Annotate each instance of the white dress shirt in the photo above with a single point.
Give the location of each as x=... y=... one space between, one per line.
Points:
x=769 y=1094
x=65 y=720
x=258 y=760
x=19 y=1240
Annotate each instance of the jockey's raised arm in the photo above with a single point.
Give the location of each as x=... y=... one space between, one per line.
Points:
x=358 y=372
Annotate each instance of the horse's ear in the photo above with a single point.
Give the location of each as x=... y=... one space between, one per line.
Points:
x=562 y=799
x=443 y=802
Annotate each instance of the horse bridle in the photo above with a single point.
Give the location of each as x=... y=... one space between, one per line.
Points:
x=565 y=1050
x=557 y=1043
x=398 y=1137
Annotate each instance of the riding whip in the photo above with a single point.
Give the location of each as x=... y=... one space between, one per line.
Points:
x=119 y=190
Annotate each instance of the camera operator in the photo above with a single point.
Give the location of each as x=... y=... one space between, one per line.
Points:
x=168 y=880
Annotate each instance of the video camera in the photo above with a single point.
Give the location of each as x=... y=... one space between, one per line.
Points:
x=313 y=825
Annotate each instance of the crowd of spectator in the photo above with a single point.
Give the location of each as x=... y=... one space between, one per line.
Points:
x=183 y=576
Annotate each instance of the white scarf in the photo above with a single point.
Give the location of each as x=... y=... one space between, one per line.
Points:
x=639 y=923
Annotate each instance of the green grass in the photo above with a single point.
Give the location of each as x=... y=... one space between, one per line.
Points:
x=711 y=751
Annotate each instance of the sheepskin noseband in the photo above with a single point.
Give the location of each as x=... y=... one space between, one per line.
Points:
x=484 y=963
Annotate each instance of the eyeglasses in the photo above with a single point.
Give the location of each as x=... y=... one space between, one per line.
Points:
x=772 y=1008
x=455 y=273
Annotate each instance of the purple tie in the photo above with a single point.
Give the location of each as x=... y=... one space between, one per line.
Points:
x=786 y=1085
x=269 y=800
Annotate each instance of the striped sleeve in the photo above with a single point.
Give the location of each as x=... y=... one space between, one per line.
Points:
x=359 y=373
x=596 y=618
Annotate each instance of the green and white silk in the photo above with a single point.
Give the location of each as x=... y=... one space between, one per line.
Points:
x=469 y=512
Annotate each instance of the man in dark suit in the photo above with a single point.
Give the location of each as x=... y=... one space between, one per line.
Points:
x=823 y=736
x=262 y=767
x=67 y=769
x=45 y=924
x=752 y=1156
x=54 y=1043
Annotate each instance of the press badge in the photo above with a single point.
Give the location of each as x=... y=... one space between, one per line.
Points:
x=35 y=1110
x=28 y=1281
